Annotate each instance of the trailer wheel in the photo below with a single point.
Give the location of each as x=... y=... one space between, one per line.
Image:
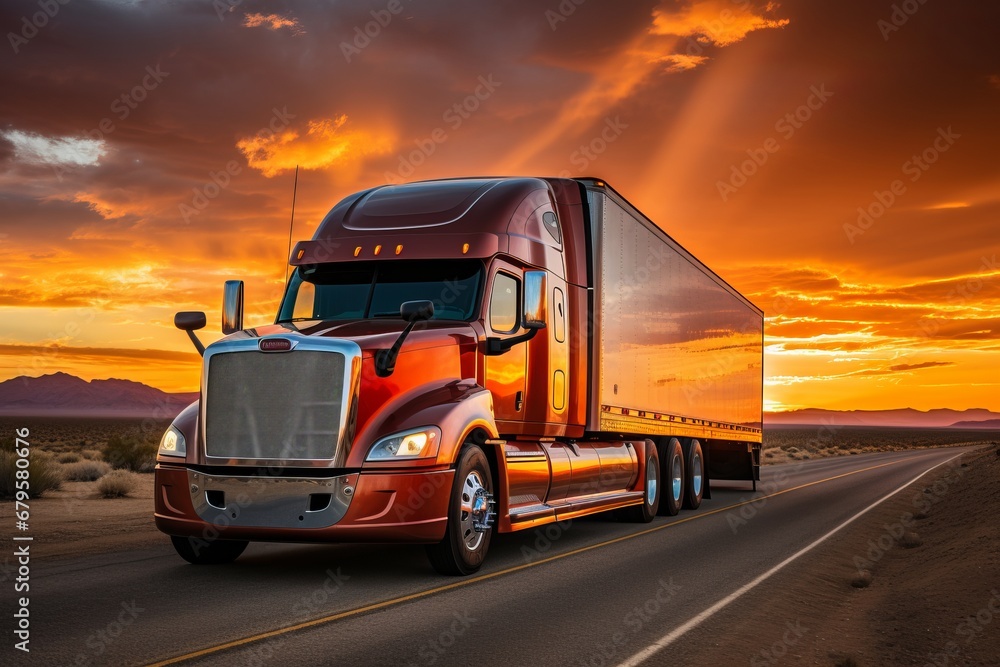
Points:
x=652 y=489
x=694 y=464
x=672 y=465
x=200 y=551
x=471 y=513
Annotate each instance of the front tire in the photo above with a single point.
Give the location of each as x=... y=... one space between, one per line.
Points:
x=672 y=466
x=464 y=547
x=199 y=551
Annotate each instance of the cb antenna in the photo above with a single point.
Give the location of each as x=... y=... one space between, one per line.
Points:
x=291 y=223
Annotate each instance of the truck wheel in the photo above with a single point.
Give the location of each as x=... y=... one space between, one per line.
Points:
x=694 y=464
x=645 y=512
x=672 y=465
x=208 y=552
x=470 y=517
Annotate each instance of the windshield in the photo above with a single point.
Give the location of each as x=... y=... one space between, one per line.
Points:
x=359 y=290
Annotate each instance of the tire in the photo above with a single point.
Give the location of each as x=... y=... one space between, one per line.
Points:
x=645 y=512
x=672 y=474
x=694 y=478
x=463 y=549
x=199 y=551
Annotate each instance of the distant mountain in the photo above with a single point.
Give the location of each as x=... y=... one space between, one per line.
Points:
x=902 y=417
x=62 y=394
x=985 y=424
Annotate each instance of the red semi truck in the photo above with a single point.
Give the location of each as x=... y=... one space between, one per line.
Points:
x=460 y=357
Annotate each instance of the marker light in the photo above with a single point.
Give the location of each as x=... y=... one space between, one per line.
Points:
x=378 y=249
x=413 y=445
x=399 y=249
x=357 y=251
x=465 y=248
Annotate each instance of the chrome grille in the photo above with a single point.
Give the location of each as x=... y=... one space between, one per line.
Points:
x=277 y=406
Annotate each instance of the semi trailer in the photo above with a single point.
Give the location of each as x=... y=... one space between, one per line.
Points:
x=457 y=358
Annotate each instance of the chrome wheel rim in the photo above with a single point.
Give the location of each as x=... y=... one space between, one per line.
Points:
x=471 y=510
x=677 y=478
x=696 y=474
x=650 y=485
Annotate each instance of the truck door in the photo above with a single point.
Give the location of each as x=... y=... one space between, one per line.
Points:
x=505 y=373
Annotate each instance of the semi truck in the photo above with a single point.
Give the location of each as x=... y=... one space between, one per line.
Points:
x=457 y=358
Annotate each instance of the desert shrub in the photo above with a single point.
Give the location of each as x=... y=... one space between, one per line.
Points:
x=91 y=454
x=130 y=453
x=68 y=457
x=43 y=474
x=86 y=471
x=117 y=484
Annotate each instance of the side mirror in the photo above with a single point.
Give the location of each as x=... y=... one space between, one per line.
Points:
x=190 y=321
x=415 y=311
x=232 y=307
x=532 y=318
x=535 y=311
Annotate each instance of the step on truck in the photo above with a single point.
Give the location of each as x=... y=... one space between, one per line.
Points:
x=457 y=358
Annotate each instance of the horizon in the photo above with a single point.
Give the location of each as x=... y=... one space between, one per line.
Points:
x=764 y=412
x=820 y=180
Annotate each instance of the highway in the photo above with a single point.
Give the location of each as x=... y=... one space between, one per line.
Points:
x=588 y=592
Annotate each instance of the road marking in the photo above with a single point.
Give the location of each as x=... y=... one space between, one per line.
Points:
x=517 y=568
x=674 y=635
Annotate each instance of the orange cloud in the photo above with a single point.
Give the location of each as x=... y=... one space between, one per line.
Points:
x=324 y=144
x=718 y=22
x=678 y=62
x=273 y=22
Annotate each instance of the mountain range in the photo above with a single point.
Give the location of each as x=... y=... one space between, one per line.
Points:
x=62 y=394
x=902 y=417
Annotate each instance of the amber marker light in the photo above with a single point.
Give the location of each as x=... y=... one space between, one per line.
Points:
x=399 y=249
x=378 y=249
x=300 y=253
x=465 y=248
x=357 y=251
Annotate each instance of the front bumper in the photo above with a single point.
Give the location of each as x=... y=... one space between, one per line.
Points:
x=383 y=506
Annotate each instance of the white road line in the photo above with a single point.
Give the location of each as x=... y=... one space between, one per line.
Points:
x=669 y=638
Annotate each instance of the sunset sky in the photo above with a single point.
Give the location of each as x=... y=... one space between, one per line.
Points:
x=838 y=163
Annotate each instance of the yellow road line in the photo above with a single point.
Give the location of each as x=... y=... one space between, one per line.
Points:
x=485 y=577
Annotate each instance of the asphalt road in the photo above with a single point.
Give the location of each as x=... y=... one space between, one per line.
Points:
x=590 y=592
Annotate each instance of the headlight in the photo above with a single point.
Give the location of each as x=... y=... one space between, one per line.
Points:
x=420 y=444
x=172 y=443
